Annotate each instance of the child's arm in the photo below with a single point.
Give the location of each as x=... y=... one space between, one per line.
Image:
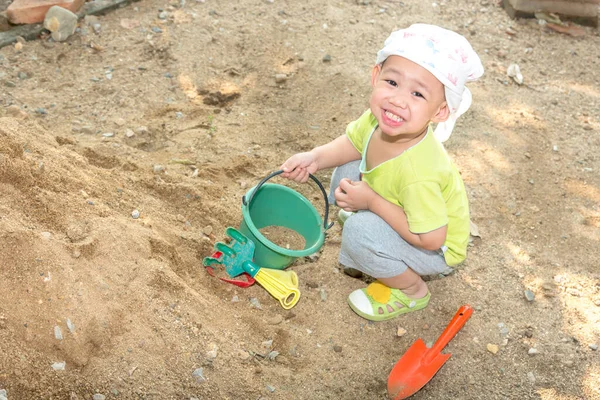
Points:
x=353 y=196
x=337 y=152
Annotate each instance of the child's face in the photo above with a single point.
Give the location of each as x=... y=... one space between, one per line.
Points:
x=406 y=97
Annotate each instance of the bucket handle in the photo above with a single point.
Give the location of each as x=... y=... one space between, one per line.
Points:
x=326 y=216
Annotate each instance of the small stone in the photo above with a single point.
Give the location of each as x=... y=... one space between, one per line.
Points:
x=129 y=133
x=59 y=366
x=18 y=46
x=337 y=348
x=61 y=22
x=71 y=326
x=3 y=394
x=593 y=346
x=46 y=235
x=207 y=230
x=108 y=134
x=492 y=348
x=270 y=388
x=280 y=78
x=323 y=294
x=255 y=303
x=157 y=168
x=532 y=351
x=327 y=58
x=531 y=377
x=529 y=295
x=58 y=333
x=400 y=331
x=135 y=214
x=98 y=396
x=198 y=375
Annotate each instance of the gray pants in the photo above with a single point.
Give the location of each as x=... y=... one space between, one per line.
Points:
x=370 y=245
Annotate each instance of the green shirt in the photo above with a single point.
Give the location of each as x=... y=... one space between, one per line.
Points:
x=424 y=182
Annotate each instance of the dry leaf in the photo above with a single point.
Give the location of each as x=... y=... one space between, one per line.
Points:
x=573 y=30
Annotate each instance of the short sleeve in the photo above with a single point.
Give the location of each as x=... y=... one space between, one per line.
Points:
x=424 y=206
x=358 y=131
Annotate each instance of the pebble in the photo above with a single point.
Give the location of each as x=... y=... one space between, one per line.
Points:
x=108 y=134
x=3 y=394
x=531 y=377
x=98 y=396
x=255 y=303
x=492 y=348
x=46 y=235
x=270 y=388
x=529 y=295
x=71 y=326
x=197 y=374
x=337 y=348
x=323 y=294
x=129 y=133
x=280 y=78
x=593 y=346
x=207 y=230
x=61 y=22
x=532 y=351
x=59 y=366
x=400 y=331
x=135 y=214
x=157 y=168
x=327 y=58
x=58 y=333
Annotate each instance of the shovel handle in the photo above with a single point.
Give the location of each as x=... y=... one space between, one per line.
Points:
x=460 y=319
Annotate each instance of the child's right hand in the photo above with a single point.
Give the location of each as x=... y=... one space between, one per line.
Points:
x=299 y=166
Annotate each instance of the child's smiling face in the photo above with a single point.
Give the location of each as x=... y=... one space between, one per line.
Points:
x=406 y=97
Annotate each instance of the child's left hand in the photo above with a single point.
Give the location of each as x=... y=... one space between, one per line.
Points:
x=354 y=196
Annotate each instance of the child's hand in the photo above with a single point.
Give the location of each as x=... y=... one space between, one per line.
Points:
x=299 y=166
x=354 y=196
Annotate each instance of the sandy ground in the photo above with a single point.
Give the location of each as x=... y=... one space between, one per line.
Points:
x=178 y=117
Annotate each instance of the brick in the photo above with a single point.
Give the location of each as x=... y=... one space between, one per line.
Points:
x=34 y=11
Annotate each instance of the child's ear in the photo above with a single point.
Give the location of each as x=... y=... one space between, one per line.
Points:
x=442 y=114
x=375 y=74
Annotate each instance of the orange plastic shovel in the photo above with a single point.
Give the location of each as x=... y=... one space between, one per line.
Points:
x=419 y=364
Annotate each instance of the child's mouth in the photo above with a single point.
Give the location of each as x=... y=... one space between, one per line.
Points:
x=393 y=117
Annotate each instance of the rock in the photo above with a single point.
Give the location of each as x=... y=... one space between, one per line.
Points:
x=532 y=351
x=59 y=366
x=207 y=230
x=61 y=22
x=529 y=295
x=492 y=348
x=34 y=11
x=593 y=346
x=198 y=375
x=280 y=78
x=98 y=396
x=337 y=348
x=514 y=72
x=135 y=214
x=71 y=326
x=58 y=333
x=400 y=331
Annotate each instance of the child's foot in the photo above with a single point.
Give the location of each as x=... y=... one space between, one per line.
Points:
x=378 y=302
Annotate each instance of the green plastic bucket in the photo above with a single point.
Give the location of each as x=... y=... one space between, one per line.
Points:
x=269 y=204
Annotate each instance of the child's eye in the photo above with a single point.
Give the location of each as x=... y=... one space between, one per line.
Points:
x=418 y=94
x=391 y=82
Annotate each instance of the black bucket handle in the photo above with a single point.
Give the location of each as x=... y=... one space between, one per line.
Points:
x=271 y=175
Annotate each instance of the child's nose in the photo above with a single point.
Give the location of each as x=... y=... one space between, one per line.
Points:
x=398 y=100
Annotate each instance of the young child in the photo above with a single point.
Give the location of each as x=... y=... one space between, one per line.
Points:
x=405 y=212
